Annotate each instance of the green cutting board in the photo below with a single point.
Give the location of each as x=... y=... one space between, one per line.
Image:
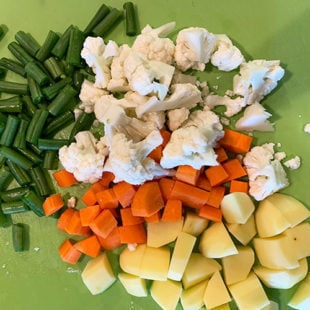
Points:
x=266 y=29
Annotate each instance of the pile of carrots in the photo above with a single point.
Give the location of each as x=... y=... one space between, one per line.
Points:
x=116 y=213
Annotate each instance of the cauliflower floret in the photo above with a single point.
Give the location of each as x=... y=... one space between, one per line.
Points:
x=152 y=43
x=226 y=56
x=177 y=117
x=257 y=79
x=266 y=173
x=98 y=56
x=128 y=161
x=156 y=118
x=293 y=163
x=83 y=158
x=182 y=95
x=233 y=106
x=255 y=117
x=89 y=94
x=193 y=49
x=192 y=144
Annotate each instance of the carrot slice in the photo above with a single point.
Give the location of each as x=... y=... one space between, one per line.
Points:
x=221 y=154
x=190 y=195
x=107 y=199
x=147 y=200
x=210 y=213
x=64 y=178
x=216 y=175
x=124 y=193
x=89 y=246
x=172 y=211
x=204 y=183
x=132 y=233
x=155 y=218
x=166 y=186
x=216 y=196
x=235 y=141
x=157 y=153
x=52 y=204
x=65 y=218
x=238 y=186
x=68 y=252
x=74 y=226
x=106 y=179
x=89 y=197
x=88 y=214
x=128 y=218
x=187 y=174
x=104 y=223
x=111 y=241
x=234 y=169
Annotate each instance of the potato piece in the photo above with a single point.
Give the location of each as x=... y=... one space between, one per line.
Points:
x=134 y=285
x=130 y=260
x=301 y=298
x=192 y=298
x=194 y=224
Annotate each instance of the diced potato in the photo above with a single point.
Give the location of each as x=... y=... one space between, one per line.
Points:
x=222 y=307
x=134 y=285
x=237 y=207
x=272 y=306
x=98 y=274
x=237 y=267
x=192 y=298
x=216 y=293
x=130 y=260
x=199 y=268
x=181 y=253
x=284 y=278
x=301 y=298
x=216 y=242
x=166 y=293
x=249 y=293
x=243 y=232
x=162 y=233
x=194 y=224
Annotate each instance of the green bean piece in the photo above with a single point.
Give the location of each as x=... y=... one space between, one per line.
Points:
x=51 y=144
x=62 y=100
x=28 y=107
x=2 y=32
x=14 y=194
x=52 y=91
x=61 y=45
x=50 y=160
x=58 y=123
x=131 y=23
x=20 y=137
x=36 y=126
x=10 y=130
x=14 y=207
x=11 y=105
x=13 y=66
x=83 y=122
x=3 y=120
x=34 y=148
x=78 y=79
x=54 y=68
x=28 y=42
x=103 y=27
x=13 y=88
x=39 y=177
x=101 y=13
x=68 y=68
x=3 y=72
x=18 y=237
x=16 y=157
x=31 y=154
x=20 y=53
x=21 y=176
x=6 y=177
x=34 y=202
x=5 y=220
x=33 y=70
x=35 y=90
x=75 y=46
x=47 y=46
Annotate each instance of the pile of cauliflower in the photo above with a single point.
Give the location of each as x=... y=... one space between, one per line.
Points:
x=157 y=93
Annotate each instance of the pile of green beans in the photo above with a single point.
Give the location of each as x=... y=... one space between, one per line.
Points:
x=34 y=111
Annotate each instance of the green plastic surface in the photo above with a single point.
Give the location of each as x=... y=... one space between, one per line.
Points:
x=268 y=29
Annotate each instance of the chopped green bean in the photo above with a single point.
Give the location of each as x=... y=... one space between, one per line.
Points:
x=50 y=160
x=39 y=177
x=32 y=69
x=61 y=45
x=14 y=207
x=13 y=66
x=34 y=202
x=31 y=154
x=6 y=177
x=5 y=220
x=21 y=176
x=3 y=72
x=51 y=144
x=10 y=130
x=52 y=91
x=2 y=32
x=14 y=194
x=28 y=107
x=16 y=157
x=130 y=19
x=18 y=237
x=75 y=46
x=83 y=122
x=58 y=123
x=53 y=67
x=11 y=105
x=13 y=88
x=101 y=13
x=78 y=79
x=35 y=90
x=46 y=48
x=27 y=41
x=20 y=137
x=20 y=53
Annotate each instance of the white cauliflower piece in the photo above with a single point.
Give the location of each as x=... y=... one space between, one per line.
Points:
x=152 y=43
x=193 y=49
x=193 y=143
x=147 y=76
x=182 y=95
x=226 y=56
x=177 y=117
x=307 y=128
x=257 y=79
x=156 y=118
x=293 y=163
x=128 y=161
x=83 y=158
x=89 y=94
x=266 y=173
x=233 y=105
x=98 y=59
x=255 y=117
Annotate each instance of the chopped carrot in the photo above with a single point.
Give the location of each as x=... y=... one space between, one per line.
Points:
x=172 y=211
x=89 y=246
x=157 y=153
x=89 y=197
x=104 y=223
x=107 y=199
x=239 y=186
x=52 y=204
x=147 y=200
x=216 y=175
x=64 y=178
x=187 y=174
x=111 y=241
x=216 y=196
x=155 y=218
x=88 y=214
x=106 y=179
x=124 y=193
x=166 y=185
x=132 y=233
x=128 y=218
x=74 y=226
x=234 y=169
x=64 y=219
x=235 y=141
x=69 y=253
x=166 y=136
x=204 y=183
x=210 y=213
x=190 y=195
x=221 y=154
